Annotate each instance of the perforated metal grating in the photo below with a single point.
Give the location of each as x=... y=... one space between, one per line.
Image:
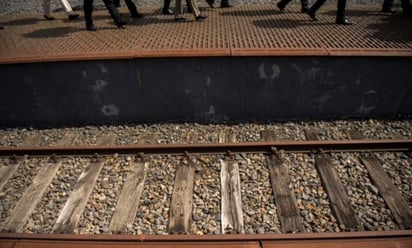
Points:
x=254 y=30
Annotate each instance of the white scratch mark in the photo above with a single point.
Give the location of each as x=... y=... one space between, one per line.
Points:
x=99 y=84
x=275 y=71
x=84 y=74
x=368 y=102
x=110 y=110
x=261 y=71
x=210 y=115
x=103 y=68
x=208 y=82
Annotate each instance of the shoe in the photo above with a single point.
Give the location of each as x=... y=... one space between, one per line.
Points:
x=121 y=24
x=304 y=10
x=210 y=3
x=49 y=18
x=73 y=16
x=167 y=12
x=226 y=5
x=180 y=19
x=281 y=7
x=91 y=28
x=343 y=21
x=1 y=27
x=312 y=15
x=201 y=17
x=387 y=11
x=137 y=15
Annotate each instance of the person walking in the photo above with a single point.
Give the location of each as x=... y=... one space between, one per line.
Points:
x=340 y=15
x=282 y=4
x=131 y=6
x=114 y=13
x=66 y=6
x=193 y=9
x=166 y=8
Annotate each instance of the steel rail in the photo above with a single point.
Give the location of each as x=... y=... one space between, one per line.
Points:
x=220 y=237
x=404 y=145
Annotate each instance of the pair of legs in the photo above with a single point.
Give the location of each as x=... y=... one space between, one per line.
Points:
x=131 y=6
x=193 y=8
x=282 y=4
x=66 y=6
x=88 y=10
x=340 y=15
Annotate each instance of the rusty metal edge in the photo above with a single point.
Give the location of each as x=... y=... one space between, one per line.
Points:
x=66 y=58
x=370 y=52
x=216 y=148
x=279 y=52
x=202 y=238
x=224 y=52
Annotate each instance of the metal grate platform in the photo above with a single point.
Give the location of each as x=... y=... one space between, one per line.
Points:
x=249 y=30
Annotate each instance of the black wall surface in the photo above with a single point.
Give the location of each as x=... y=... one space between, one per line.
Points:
x=205 y=89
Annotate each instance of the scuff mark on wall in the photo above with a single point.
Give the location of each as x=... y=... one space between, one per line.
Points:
x=261 y=71
x=99 y=84
x=208 y=82
x=110 y=110
x=275 y=71
x=102 y=68
x=211 y=114
x=368 y=103
x=84 y=74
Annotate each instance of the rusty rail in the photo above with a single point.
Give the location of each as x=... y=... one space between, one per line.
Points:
x=404 y=145
x=345 y=239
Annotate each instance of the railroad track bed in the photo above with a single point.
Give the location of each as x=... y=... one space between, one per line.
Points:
x=209 y=189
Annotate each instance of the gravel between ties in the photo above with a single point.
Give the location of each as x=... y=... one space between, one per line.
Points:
x=152 y=215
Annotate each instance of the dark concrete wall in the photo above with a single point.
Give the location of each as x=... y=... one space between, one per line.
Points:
x=205 y=89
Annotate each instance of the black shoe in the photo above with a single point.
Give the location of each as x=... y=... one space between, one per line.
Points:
x=210 y=2
x=387 y=11
x=73 y=16
x=1 y=27
x=226 y=5
x=312 y=14
x=201 y=17
x=137 y=15
x=121 y=24
x=343 y=21
x=49 y=18
x=180 y=19
x=304 y=10
x=281 y=7
x=91 y=28
x=167 y=12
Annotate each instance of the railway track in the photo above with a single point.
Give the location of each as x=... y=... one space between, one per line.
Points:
x=262 y=193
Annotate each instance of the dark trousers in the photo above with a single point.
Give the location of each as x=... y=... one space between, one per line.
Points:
x=130 y=5
x=304 y=3
x=166 y=4
x=88 y=10
x=341 y=7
